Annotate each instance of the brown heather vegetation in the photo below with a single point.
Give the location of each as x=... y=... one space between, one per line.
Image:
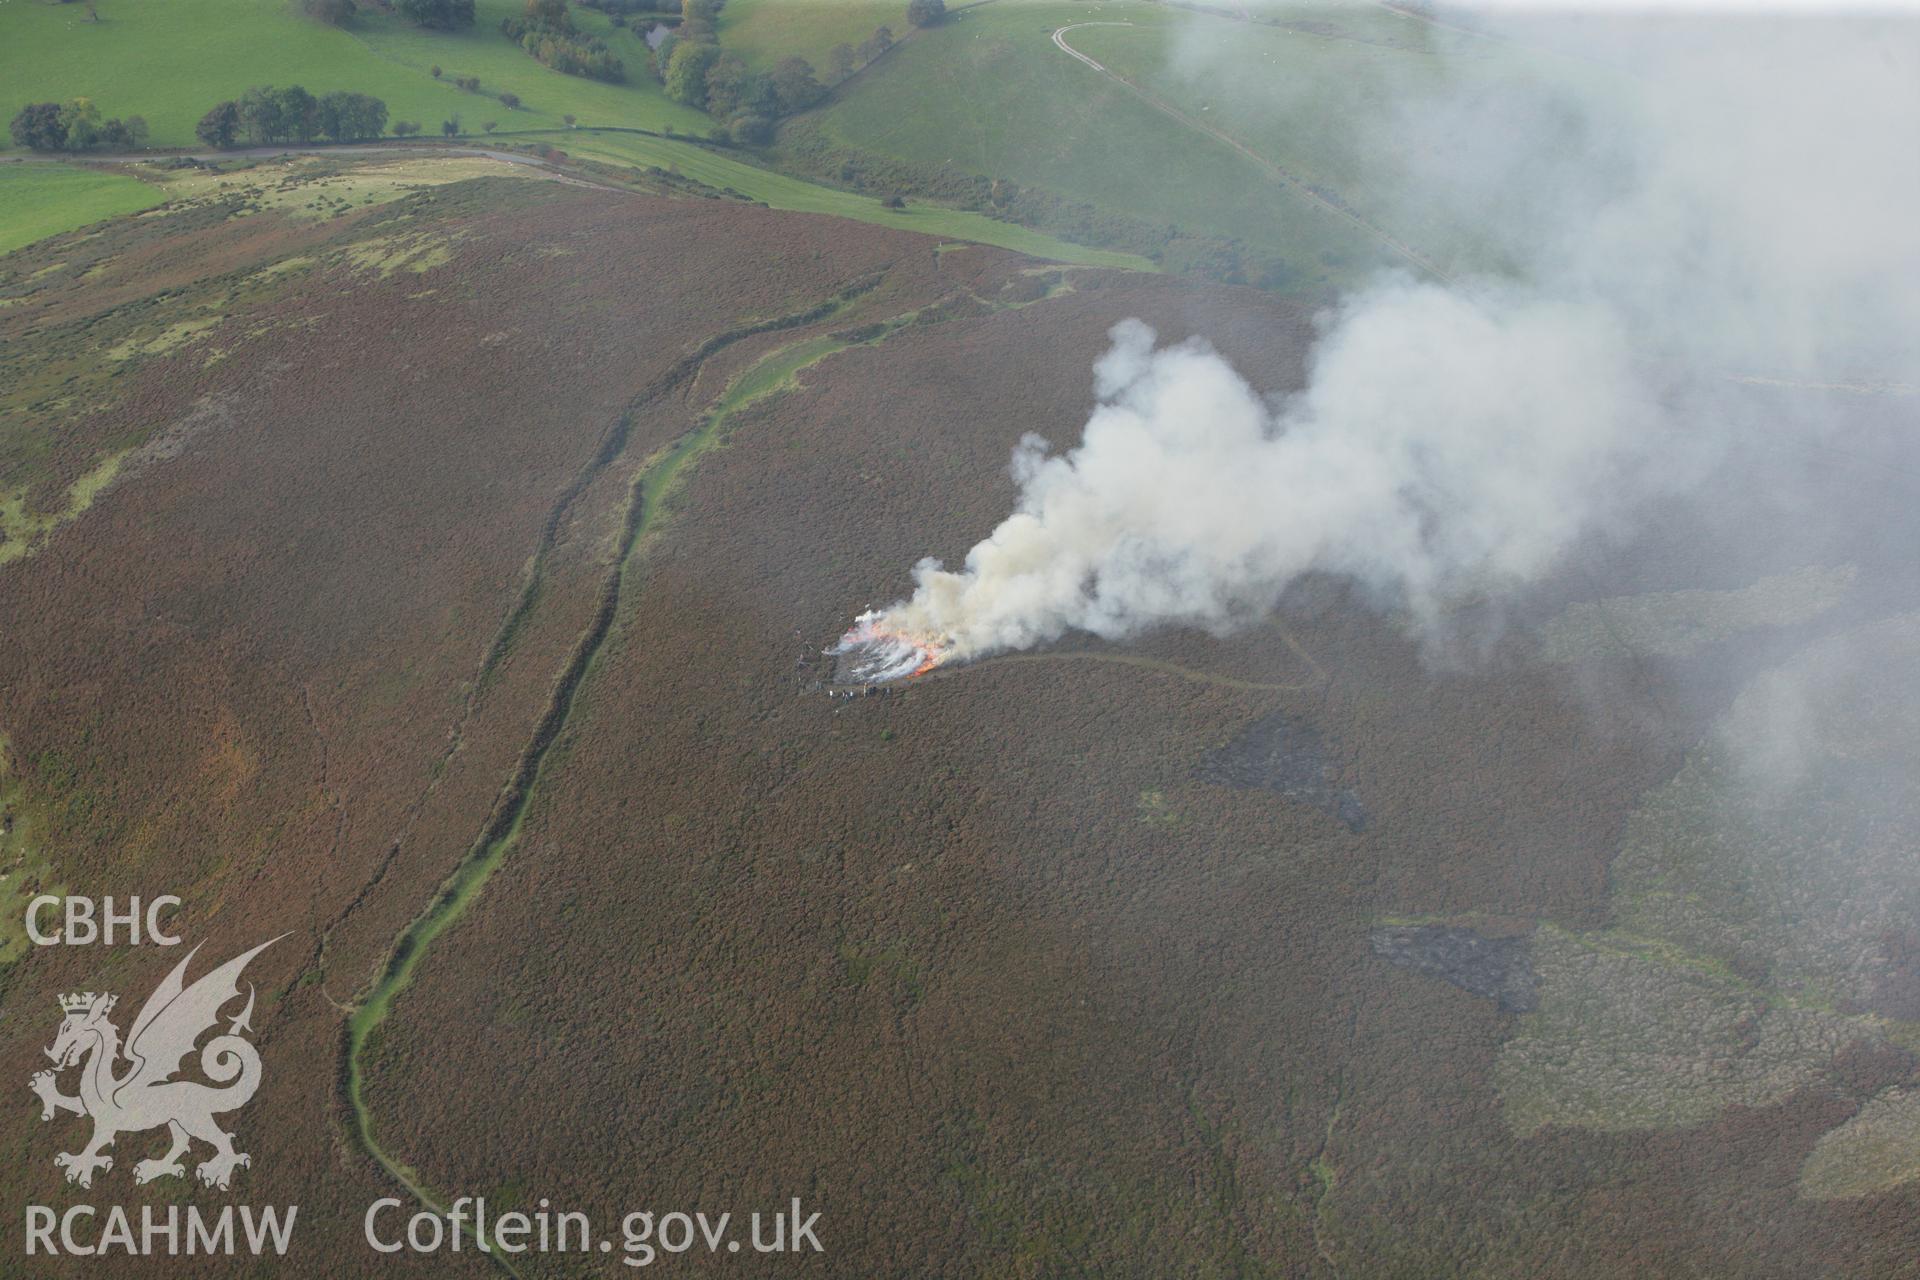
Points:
x=982 y=969
x=990 y=971
x=270 y=669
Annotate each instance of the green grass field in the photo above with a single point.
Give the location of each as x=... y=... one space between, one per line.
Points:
x=169 y=60
x=988 y=93
x=780 y=191
x=1317 y=89
x=765 y=31
x=1327 y=98
x=39 y=200
x=154 y=58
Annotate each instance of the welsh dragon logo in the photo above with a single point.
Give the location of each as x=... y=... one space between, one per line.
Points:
x=145 y=1094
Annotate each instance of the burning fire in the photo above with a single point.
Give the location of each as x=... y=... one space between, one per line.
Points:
x=878 y=653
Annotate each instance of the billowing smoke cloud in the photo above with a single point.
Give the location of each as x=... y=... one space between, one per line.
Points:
x=1733 y=212
x=1191 y=500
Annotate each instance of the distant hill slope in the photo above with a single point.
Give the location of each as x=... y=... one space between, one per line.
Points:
x=765 y=31
x=1281 y=133
x=169 y=60
x=154 y=58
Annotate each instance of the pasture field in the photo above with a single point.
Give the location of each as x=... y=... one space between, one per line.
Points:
x=156 y=59
x=151 y=60
x=1289 y=133
x=1352 y=100
x=988 y=94
x=765 y=31
x=1260 y=132
x=42 y=200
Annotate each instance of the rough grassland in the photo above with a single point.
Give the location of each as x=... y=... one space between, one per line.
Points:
x=43 y=200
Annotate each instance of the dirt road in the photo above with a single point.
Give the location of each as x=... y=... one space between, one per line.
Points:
x=1060 y=38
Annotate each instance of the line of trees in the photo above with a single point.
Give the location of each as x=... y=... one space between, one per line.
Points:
x=437 y=15
x=546 y=30
x=694 y=68
x=265 y=114
x=75 y=125
x=696 y=71
x=845 y=59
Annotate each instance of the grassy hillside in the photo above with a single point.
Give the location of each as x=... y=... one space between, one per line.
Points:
x=1327 y=94
x=781 y=191
x=42 y=199
x=152 y=58
x=157 y=58
x=989 y=94
x=1283 y=133
x=765 y=31
x=985 y=95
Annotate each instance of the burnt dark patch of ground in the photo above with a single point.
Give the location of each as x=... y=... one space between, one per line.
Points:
x=1280 y=754
x=1493 y=968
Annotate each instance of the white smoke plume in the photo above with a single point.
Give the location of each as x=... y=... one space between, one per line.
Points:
x=1464 y=434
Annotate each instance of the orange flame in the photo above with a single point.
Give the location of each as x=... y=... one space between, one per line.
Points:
x=869 y=632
